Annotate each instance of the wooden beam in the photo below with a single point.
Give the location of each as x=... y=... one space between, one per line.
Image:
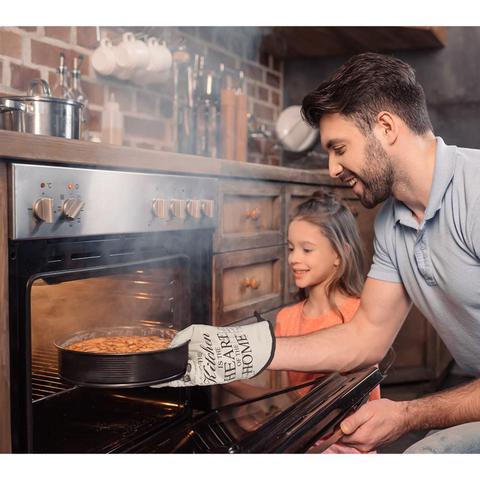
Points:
x=294 y=42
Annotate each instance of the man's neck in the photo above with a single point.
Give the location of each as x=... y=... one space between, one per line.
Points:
x=414 y=177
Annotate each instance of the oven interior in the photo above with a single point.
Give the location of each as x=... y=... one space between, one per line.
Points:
x=64 y=286
x=148 y=294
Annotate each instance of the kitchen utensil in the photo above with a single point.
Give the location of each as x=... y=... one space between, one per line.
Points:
x=115 y=370
x=41 y=114
x=227 y=115
x=293 y=132
x=241 y=104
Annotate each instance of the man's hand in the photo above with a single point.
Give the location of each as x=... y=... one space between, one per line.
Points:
x=378 y=422
x=224 y=354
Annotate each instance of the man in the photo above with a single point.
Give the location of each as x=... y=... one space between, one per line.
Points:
x=375 y=127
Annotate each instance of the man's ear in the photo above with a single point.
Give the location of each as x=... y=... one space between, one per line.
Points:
x=387 y=127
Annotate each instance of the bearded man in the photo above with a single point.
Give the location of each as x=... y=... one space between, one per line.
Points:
x=375 y=126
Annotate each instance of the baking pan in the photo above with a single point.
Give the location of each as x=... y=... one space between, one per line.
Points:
x=117 y=370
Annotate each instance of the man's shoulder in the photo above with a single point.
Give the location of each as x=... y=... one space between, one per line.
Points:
x=467 y=172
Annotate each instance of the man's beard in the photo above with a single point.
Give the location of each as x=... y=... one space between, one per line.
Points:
x=377 y=176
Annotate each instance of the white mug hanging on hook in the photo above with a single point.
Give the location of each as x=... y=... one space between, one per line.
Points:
x=137 y=50
x=103 y=58
x=159 y=65
x=131 y=54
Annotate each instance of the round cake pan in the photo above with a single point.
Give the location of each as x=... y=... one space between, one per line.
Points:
x=117 y=370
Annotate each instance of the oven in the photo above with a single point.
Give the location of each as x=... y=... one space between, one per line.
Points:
x=95 y=249
x=92 y=248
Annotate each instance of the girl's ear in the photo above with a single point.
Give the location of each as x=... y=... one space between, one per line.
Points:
x=336 y=262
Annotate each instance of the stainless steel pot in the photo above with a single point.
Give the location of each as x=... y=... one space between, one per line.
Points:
x=41 y=114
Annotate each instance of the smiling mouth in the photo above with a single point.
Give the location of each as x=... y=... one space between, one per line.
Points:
x=350 y=181
x=299 y=272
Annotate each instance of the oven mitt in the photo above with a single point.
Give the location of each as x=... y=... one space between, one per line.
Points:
x=224 y=354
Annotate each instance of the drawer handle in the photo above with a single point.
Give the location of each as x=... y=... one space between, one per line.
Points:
x=251 y=283
x=253 y=213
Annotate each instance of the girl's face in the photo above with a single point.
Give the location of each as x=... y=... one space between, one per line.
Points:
x=312 y=259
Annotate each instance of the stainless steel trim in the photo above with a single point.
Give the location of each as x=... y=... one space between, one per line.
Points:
x=112 y=202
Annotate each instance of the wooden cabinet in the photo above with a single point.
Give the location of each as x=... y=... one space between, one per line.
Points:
x=420 y=353
x=249 y=259
x=5 y=444
x=250 y=215
x=245 y=281
x=300 y=41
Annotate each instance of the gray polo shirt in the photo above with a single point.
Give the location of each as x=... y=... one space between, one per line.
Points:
x=438 y=261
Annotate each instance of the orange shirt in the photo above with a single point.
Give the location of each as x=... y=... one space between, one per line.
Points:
x=291 y=321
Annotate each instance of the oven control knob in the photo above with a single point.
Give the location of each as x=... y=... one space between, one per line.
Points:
x=71 y=207
x=194 y=208
x=160 y=208
x=43 y=209
x=179 y=208
x=207 y=208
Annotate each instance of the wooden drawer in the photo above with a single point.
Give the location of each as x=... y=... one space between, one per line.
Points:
x=250 y=215
x=245 y=281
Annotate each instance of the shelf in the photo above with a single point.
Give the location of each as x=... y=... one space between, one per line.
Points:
x=292 y=42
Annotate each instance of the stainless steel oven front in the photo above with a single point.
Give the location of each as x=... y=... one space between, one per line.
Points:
x=95 y=248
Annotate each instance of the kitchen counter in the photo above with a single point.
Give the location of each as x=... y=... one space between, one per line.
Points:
x=53 y=150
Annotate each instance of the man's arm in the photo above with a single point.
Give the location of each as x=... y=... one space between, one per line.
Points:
x=383 y=421
x=362 y=341
x=445 y=409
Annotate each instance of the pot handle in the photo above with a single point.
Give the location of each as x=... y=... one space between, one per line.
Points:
x=45 y=88
x=9 y=105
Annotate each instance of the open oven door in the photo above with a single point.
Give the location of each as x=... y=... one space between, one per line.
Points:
x=279 y=422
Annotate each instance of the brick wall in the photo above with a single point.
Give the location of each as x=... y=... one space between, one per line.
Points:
x=32 y=52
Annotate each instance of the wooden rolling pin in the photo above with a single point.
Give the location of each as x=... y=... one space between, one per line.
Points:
x=227 y=112
x=241 y=127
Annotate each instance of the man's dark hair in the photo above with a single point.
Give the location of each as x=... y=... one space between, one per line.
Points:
x=364 y=86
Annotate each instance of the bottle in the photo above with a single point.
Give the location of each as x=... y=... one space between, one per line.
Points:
x=60 y=90
x=112 y=122
x=182 y=95
x=79 y=96
x=206 y=115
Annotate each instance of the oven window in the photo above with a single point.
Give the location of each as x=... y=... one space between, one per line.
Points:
x=147 y=294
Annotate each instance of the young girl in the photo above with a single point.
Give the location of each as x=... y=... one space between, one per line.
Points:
x=327 y=262
x=328 y=266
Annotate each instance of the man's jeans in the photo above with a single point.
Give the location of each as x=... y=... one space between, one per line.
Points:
x=459 y=439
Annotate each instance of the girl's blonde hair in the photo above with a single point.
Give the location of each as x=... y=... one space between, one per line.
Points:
x=338 y=225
